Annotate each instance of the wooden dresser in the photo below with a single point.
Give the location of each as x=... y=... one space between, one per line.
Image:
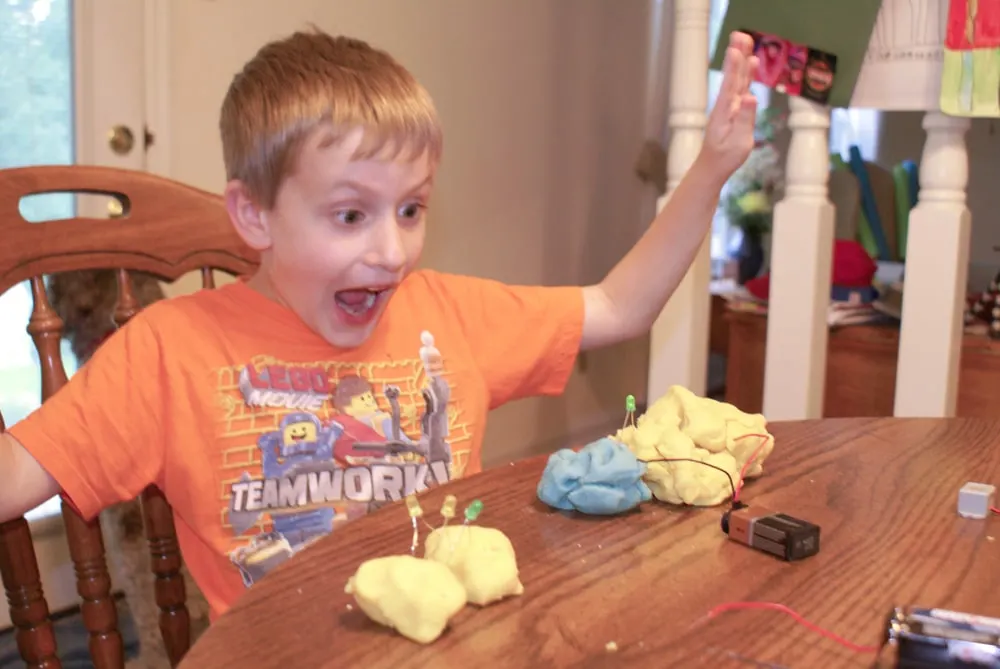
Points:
x=861 y=369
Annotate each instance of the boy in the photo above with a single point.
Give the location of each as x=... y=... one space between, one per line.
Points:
x=226 y=398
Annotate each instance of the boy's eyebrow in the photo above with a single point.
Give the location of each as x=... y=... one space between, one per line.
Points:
x=350 y=185
x=426 y=182
x=361 y=188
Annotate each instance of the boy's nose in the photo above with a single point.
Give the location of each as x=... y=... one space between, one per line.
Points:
x=389 y=251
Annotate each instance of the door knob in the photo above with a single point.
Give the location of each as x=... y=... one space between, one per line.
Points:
x=121 y=139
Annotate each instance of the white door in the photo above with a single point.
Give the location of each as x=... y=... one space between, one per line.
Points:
x=545 y=108
x=69 y=72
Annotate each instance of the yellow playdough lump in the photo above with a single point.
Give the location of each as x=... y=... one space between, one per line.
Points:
x=482 y=558
x=682 y=425
x=416 y=597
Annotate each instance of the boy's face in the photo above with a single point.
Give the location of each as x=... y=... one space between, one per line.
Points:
x=341 y=236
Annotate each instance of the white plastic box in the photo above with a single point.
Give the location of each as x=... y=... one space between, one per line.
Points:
x=975 y=500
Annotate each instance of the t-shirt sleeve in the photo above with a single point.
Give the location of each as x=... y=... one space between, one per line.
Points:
x=524 y=339
x=99 y=435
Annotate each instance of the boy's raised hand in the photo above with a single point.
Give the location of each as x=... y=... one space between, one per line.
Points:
x=729 y=135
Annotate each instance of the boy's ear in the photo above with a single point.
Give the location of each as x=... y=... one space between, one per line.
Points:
x=249 y=220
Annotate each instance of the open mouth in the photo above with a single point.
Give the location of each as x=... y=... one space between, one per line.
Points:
x=360 y=303
x=357 y=302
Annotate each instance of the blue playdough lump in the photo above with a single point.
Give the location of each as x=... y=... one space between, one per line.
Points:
x=604 y=478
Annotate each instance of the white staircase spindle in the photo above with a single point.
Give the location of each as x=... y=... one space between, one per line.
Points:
x=801 y=250
x=937 y=265
x=679 y=339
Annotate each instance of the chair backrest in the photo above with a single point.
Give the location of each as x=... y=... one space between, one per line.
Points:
x=166 y=229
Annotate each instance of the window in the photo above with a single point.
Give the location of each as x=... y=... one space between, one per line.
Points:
x=36 y=127
x=855 y=126
x=847 y=127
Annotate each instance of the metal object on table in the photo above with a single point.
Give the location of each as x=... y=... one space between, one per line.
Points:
x=921 y=638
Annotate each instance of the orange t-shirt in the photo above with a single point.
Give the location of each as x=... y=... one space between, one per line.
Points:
x=264 y=438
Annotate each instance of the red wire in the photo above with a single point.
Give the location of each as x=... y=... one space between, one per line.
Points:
x=994 y=509
x=753 y=456
x=781 y=608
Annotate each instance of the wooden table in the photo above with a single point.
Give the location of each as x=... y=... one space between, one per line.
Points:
x=884 y=492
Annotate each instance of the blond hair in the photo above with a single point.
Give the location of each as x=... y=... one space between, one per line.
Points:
x=293 y=86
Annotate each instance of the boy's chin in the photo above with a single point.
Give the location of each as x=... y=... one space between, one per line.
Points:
x=346 y=339
x=343 y=333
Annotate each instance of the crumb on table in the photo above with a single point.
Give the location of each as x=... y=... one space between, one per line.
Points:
x=611 y=646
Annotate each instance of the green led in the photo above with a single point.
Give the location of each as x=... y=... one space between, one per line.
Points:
x=630 y=403
x=473 y=510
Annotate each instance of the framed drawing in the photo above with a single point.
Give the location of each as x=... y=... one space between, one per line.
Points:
x=970 y=81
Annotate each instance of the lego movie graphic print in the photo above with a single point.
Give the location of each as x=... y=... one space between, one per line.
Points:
x=342 y=440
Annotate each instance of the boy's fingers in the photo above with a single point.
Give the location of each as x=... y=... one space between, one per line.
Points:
x=738 y=71
x=731 y=79
x=746 y=117
x=748 y=71
x=741 y=42
x=744 y=75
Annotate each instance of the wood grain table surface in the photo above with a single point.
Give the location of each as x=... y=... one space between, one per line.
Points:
x=883 y=490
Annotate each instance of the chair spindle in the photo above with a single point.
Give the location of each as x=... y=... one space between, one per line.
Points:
x=86 y=544
x=29 y=611
x=126 y=306
x=161 y=534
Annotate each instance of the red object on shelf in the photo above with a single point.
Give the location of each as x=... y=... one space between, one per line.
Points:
x=852 y=268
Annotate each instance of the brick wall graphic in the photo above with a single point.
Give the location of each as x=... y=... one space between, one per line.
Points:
x=241 y=426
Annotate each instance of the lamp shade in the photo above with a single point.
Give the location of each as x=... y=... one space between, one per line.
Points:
x=902 y=68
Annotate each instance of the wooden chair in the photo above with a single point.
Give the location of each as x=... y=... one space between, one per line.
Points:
x=166 y=229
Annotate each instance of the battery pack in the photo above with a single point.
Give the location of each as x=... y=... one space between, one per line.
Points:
x=942 y=639
x=779 y=534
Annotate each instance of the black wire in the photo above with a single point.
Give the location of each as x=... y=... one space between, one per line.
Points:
x=732 y=485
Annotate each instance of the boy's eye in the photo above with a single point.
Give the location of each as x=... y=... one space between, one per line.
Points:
x=411 y=211
x=350 y=216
